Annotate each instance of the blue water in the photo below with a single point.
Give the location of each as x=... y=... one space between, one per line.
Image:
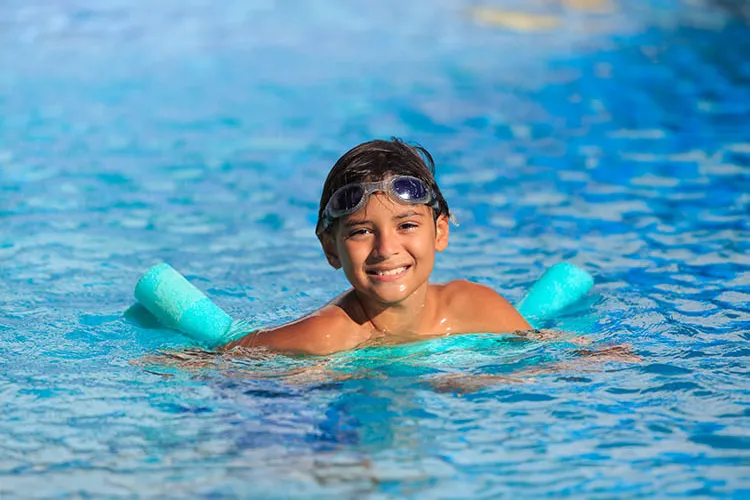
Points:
x=132 y=133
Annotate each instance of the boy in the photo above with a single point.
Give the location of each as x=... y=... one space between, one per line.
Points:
x=382 y=217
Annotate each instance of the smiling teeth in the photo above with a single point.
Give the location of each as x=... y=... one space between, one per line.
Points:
x=391 y=272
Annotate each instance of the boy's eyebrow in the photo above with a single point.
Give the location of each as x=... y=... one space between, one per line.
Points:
x=357 y=222
x=351 y=223
x=410 y=213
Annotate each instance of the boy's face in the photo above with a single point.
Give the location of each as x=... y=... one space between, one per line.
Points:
x=386 y=249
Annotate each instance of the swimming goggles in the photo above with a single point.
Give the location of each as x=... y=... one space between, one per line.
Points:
x=404 y=189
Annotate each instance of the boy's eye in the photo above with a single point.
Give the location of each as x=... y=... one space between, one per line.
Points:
x=360 y=231
x=408 y=225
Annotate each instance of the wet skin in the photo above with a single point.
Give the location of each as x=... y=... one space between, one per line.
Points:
x=387 y=252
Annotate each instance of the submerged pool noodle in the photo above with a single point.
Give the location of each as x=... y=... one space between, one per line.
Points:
x=179 y=305
x=560 y=286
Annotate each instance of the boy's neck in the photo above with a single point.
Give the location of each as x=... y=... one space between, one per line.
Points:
x=403 y=319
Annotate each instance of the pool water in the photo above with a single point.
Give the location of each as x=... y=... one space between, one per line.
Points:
x=613 y=135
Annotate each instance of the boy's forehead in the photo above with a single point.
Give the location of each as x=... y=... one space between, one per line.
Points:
x=380 y=205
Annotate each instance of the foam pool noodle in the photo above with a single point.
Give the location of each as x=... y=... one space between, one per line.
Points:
x=179 y=305
x=560 y=286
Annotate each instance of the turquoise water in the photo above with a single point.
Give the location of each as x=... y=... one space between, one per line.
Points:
x=179 y=131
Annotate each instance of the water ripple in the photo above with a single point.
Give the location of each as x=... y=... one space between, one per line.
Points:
x=611 y=134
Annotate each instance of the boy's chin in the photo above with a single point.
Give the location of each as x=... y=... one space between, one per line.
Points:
x=383 y=296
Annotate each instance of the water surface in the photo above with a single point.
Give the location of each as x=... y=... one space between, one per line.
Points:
x=197 y=135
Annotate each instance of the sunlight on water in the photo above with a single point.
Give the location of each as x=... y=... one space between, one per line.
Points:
x=609 y=134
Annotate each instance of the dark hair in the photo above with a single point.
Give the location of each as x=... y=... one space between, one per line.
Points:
x=374 y=161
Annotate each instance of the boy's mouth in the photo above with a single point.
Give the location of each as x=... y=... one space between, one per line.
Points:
x=388 y=274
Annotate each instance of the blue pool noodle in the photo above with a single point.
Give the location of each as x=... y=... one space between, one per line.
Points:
x=181 y=306
x=560 y=286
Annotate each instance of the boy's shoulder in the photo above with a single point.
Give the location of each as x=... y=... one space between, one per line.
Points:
x=331 y=329
x=478 y=308
x=467 y=293
x=325 y=331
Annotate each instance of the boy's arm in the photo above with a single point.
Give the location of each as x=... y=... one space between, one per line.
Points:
x=481 y=309
x=320 y=333
x=486 y=311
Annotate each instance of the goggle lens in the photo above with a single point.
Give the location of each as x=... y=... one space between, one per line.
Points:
x=410 y=189
x=346 y=199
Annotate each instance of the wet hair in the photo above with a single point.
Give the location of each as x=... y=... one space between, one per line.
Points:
x=375 y=160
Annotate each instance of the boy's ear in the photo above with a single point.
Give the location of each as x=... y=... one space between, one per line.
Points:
x=329 y=248
x=442 y=230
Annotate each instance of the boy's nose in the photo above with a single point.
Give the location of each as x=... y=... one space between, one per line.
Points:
x=386 y=244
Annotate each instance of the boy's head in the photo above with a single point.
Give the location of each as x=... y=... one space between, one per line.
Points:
x=382 y=217
x=375 y=161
